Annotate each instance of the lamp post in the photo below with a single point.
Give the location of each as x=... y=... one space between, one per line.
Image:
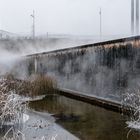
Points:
x=33 y=26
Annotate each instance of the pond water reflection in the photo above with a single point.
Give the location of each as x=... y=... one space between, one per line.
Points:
x=86 y=121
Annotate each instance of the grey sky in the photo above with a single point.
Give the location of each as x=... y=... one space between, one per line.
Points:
x=80 y=17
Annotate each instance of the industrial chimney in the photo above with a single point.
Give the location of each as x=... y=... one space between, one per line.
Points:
x=137 y=17
x=132 y=17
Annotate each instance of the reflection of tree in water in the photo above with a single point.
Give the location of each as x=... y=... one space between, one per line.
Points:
x=50 y=104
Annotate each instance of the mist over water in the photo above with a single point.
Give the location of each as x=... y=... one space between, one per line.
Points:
x=13 y=50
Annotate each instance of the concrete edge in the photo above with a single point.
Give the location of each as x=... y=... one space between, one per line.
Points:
x=94 y=100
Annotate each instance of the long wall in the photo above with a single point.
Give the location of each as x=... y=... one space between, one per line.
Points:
x=107 y=69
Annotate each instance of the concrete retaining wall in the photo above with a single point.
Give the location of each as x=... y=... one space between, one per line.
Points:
x=107 y=69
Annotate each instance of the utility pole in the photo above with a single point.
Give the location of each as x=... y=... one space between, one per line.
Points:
x=100 y=13
x=33 y=26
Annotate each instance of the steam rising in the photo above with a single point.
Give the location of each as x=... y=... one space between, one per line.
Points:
x=13 y=50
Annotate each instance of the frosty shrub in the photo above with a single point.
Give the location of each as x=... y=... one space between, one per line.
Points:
x=131 y=99
x=42 y=85
x=35 y=86
x=12 y=107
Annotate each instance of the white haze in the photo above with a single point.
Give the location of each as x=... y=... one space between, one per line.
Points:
x=78 y=17
x=75 y=17
x=12 y=51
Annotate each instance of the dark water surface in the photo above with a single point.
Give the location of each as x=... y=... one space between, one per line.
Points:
x=86 y=121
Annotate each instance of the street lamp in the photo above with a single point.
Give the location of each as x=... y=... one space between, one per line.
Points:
x=33 y=26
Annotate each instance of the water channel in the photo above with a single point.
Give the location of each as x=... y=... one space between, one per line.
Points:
x=85 y=121
x=57 y=117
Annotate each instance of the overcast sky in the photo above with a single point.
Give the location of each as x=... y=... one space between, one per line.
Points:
x=78 y=17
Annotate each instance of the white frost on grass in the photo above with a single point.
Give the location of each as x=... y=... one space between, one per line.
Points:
x=25 y=118
x=133 y=124
x=132 y=100
x=12 y=111
x=15 y=135
x=12 y=108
